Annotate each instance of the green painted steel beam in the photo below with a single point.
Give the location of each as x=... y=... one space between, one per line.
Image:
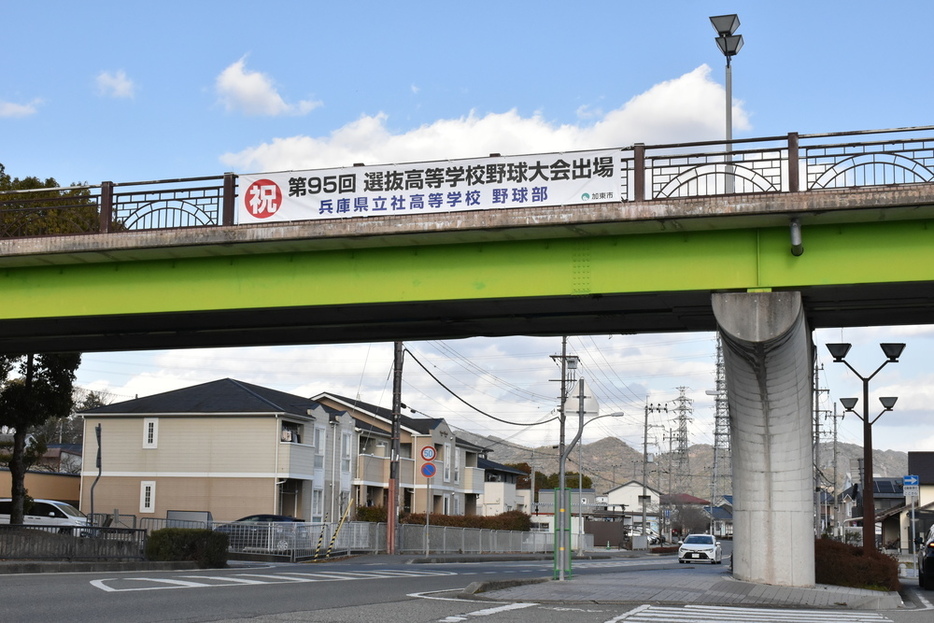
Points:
x=740 y=259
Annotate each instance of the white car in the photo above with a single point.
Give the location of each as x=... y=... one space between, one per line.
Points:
x=46 y=513
x=700 y=548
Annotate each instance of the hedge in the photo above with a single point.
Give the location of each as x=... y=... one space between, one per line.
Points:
x=840 y=564
x=205 y=547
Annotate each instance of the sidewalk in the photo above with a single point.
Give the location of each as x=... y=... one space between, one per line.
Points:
x=674 y=587
x=669 y=586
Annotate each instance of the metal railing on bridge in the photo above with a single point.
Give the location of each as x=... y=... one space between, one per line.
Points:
x=790 y=163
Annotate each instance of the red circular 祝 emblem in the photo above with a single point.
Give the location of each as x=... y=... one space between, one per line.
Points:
x=263 y=198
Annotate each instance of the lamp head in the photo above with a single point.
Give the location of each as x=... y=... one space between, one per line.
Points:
x=731 y=45
x=892 y=351
x=888 y=402
x=838 y=351
x=849 y=403
x=725 y=25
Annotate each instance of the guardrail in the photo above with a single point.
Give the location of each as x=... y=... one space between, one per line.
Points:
x=791 y=163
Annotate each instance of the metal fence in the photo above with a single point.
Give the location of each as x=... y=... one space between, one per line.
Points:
x=791 y=163
x=32 y=542
x=287 y=541
x=428 y=540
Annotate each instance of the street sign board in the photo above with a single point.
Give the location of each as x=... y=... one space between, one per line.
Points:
x=429 y=470
x=428 y=453
x=911 y=486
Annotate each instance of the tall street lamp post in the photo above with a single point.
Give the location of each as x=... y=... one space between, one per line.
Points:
x=730 y=44
x=892 y=352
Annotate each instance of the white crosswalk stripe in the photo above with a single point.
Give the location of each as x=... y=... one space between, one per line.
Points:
x=713 y=614
x=117 y=585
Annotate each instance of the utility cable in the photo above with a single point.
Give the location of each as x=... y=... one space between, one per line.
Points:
x=480 y=411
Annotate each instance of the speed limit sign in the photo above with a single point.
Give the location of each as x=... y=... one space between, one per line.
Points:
x=428 y=453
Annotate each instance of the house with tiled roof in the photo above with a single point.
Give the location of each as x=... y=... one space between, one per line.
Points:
x=227 y=447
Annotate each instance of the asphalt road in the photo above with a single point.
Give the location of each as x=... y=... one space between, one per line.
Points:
x=375 y=589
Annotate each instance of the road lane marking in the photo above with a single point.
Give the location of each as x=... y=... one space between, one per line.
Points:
x=486 y=612
x=715 y=614
x=114 y=585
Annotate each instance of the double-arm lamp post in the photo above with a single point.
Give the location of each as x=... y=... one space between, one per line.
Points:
x=892 y=352
x=730 y=44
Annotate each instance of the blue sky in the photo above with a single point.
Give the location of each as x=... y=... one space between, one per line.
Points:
x=122 y=91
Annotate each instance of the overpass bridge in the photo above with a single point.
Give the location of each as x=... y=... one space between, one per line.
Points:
x=818 y=230
x=169 y=266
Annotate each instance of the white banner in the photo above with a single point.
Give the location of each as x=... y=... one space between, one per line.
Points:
x=420 y=188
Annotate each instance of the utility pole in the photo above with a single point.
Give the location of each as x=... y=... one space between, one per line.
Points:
x=562 y=523
x=836 y=491
x=392 y=514
x=818 y=519
x=645 y=462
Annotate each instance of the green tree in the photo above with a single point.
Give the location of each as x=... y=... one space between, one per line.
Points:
x=570 y=481
x=33 y=388
x=70 y=429
x=28 y=210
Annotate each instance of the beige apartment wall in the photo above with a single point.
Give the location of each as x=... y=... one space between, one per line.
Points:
x=372 y=469
x=186 y=445
x=226 y=498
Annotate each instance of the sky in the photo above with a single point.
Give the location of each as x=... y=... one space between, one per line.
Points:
x=122 y=92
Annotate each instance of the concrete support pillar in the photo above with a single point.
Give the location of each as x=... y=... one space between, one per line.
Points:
x=767 y=358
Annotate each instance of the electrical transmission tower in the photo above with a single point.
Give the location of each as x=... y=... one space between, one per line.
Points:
x=721 y=482
x=680 y=458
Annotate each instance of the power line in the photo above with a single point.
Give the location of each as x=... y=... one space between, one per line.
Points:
x=480 y=411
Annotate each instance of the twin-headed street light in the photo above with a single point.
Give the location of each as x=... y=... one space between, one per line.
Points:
x=892 y=352
x=730 y=44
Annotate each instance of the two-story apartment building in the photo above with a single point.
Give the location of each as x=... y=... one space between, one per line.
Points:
x=228 y=447
x=457 y=483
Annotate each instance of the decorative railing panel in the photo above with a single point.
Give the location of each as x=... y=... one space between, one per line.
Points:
x=792 y=163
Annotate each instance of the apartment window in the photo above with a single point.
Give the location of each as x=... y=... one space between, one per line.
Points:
x=346 y=440
x=150 y=433
x=448 y=460
x=147 y=496
x=320 y=437
x=317 y=505
x=457 y=466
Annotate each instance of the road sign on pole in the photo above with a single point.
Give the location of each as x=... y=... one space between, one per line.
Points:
x=911 y=486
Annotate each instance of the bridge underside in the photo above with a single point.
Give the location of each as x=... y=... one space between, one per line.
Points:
x=828 y=306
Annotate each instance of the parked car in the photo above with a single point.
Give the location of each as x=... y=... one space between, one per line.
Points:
x=265 y=532
x=926 y=562
x=45 y=513
x=700 y=547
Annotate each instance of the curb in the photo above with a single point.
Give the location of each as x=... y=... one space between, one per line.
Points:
x=14 y=566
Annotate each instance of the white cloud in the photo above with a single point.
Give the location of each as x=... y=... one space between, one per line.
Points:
x=680 y=110
x=115 y=84
x=254 y=93
x=9 y=109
